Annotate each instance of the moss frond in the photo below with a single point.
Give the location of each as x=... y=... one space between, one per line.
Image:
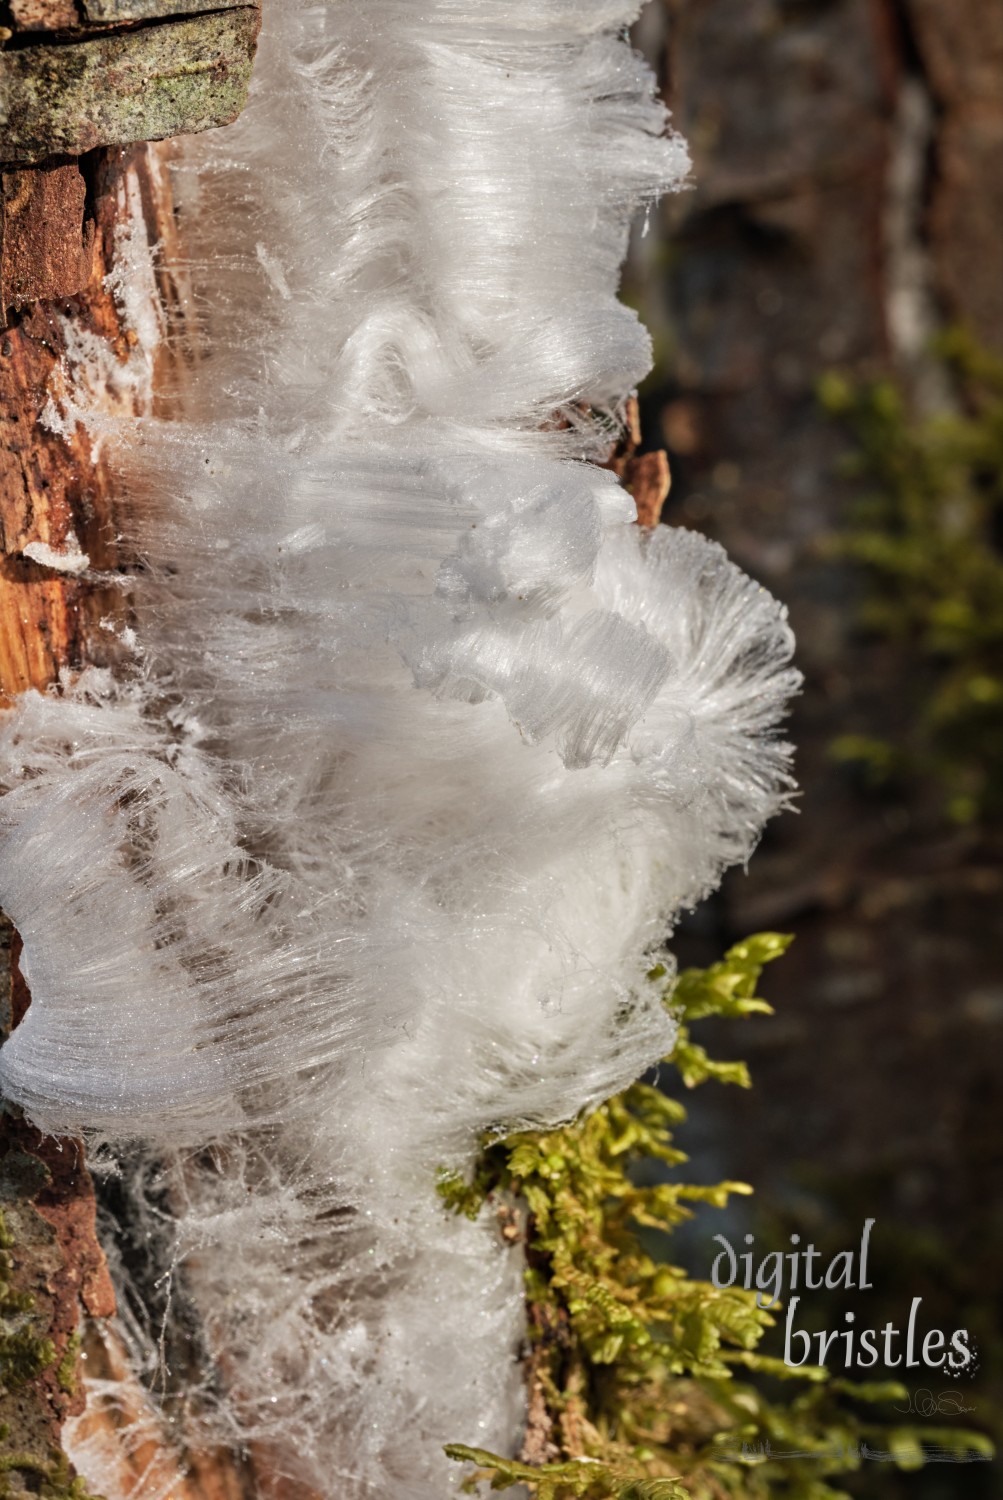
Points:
x=632 y=1360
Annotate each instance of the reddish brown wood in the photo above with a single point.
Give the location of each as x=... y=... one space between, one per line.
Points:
x=53 y=489
x=45 y=241
x=645 y=475
x=648 y=479
x=135 y=1454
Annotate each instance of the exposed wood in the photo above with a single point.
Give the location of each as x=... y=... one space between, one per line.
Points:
x=648 y=479
x=645 y=475
x=119 y=1429
x=55 y=490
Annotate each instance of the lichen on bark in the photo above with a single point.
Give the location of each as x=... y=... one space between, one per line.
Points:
x=138 y=84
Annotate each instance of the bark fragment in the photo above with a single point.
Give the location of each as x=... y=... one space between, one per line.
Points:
x=45 y=244
x=645 y=475
x=55 y=488
x=140 y=84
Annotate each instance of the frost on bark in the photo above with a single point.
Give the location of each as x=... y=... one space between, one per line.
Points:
x=70 y=177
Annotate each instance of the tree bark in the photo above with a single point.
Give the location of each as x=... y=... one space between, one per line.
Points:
x=71 y=177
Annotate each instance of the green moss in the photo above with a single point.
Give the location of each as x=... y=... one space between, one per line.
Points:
x=635 y=1361
x=23 y=1354
x=66 y=1372
x=925 y=531
x=28 y=1465
x=582 y=1479
x=23 y=1357
x=49 y=1478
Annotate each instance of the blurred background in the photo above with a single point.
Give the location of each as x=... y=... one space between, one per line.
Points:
x=827 y=308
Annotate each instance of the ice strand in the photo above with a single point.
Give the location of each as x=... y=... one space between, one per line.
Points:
x=423 y=744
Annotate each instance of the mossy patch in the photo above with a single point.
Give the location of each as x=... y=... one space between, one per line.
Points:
x=29 y=1465
x=23 y=1353
x=49 y=1478
x=633 y=1365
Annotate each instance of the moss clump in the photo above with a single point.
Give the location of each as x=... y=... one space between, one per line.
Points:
x=23 y=1354
x=632 y=1363
x=926 y=531
x=50 y=1478
x=23 y=1357
x=66 y=1371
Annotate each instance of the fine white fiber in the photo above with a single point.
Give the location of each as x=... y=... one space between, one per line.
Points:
x=422 y=745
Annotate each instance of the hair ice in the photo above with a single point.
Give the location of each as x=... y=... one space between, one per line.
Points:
x=423 y=744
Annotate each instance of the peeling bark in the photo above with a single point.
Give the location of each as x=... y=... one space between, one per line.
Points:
x=645 y=475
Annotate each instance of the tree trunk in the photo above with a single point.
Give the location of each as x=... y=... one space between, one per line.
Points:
x=75 y=176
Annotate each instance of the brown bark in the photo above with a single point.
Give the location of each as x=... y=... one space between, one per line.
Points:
x=57 y=245
x=58 y=565
x=53 y=258
x=52 y=491
x=47 y=240
x=645 y=475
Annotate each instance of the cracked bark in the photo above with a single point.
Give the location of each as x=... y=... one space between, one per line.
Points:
x=54 y=255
